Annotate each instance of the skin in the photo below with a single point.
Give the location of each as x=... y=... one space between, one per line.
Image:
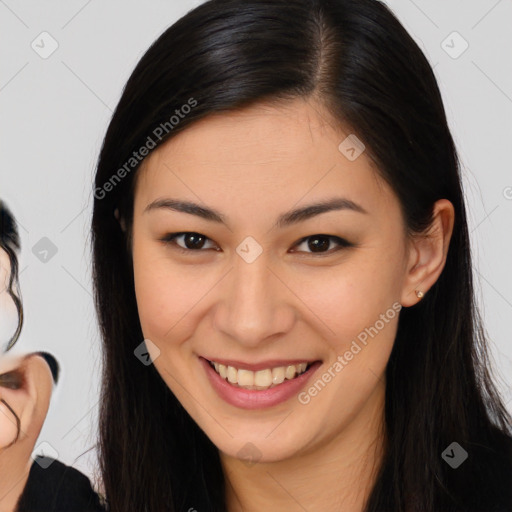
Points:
x=25 y=387
x=30 y=401
x=252 y=165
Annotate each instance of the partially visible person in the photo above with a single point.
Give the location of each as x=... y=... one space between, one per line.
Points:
x=11 y=310
x=26 y=383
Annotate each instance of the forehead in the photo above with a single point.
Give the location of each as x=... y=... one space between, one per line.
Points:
x=261 y=134
x=256 y=153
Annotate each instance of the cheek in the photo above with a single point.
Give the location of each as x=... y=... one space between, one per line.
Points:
x=8 y=428
x=348 y=298
x=165 y=294
x=8 y=422
x=358 y=305
x=156 y=297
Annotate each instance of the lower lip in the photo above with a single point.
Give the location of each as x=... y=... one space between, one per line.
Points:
x=253 y=398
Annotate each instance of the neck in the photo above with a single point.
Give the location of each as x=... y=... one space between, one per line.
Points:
x=336 y=475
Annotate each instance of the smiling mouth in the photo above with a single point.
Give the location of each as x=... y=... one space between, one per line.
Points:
x=262 y=379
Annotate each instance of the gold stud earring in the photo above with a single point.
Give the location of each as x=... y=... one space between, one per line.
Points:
x=419 y=294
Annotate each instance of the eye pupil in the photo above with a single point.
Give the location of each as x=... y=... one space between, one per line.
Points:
x=194 y=240
x=318 y=243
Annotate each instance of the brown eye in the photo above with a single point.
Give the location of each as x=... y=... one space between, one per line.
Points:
x=321 y=244
x=189 y=241
x=11 y=380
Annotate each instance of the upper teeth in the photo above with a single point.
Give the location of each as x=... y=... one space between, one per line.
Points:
x=260 y=379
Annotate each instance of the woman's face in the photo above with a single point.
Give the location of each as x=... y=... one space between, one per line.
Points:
x=265 y=295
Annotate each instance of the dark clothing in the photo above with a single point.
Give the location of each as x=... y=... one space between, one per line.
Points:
x=58 y=488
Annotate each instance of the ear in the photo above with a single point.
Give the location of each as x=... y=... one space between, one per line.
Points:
x=427 y=253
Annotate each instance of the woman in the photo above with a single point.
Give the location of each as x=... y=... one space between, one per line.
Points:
x=26 y=384
x=279 y=227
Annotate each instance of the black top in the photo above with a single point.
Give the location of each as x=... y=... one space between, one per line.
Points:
x=58 y=488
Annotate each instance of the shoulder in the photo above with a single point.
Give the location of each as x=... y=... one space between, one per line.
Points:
x=54 y=486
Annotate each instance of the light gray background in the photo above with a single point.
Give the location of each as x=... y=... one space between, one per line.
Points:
x=54 y=113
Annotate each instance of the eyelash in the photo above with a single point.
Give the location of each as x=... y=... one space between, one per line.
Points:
x=169 y=239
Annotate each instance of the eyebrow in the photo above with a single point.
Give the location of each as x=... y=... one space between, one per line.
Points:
x=286 y=219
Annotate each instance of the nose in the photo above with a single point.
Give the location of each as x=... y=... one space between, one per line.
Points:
x=255 y=305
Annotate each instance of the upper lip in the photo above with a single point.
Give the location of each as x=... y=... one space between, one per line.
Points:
x=263 y=365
